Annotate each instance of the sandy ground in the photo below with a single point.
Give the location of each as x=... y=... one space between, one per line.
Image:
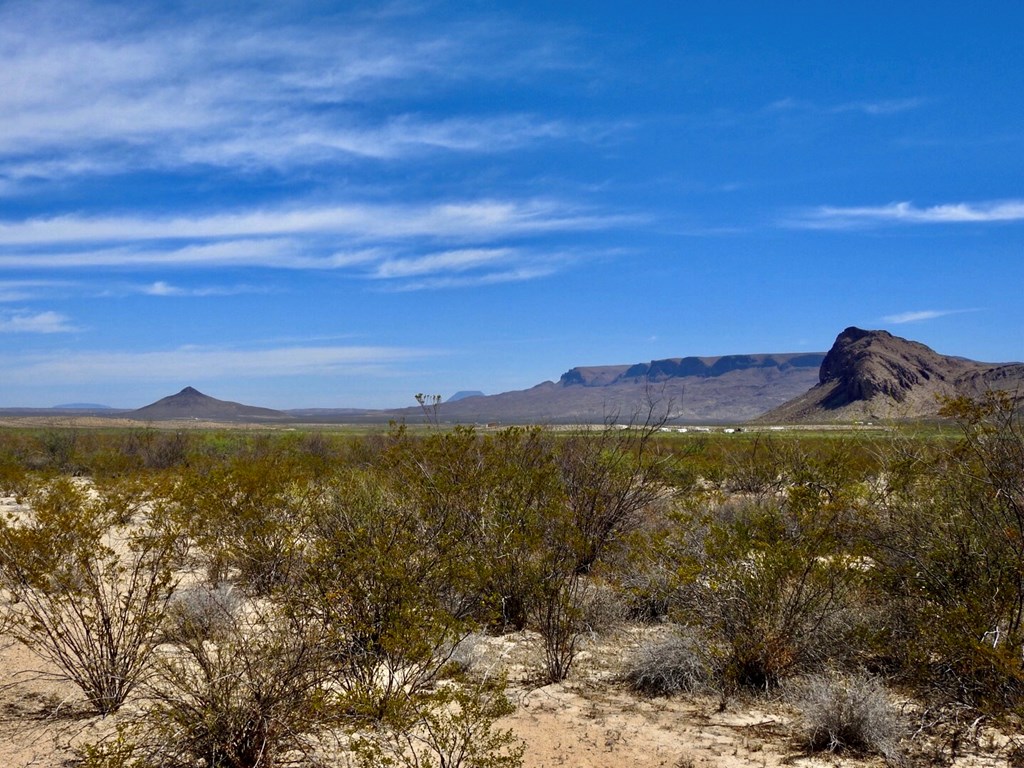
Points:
x=590 y=721
x=581 y=723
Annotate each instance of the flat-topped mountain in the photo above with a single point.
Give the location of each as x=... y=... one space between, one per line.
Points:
x=726 y=389
x=873 y=374
x=682 y=367
x=192 y=404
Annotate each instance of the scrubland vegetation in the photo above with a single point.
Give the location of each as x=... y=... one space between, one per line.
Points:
x=308 y=598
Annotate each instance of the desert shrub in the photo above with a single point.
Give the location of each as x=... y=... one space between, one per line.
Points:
x=650 y=594
x=602 y=607
x=246 y=516
x=86 y=598
x=201 y=612
x=558 y=616
x=677 y=661
x=59 y=450
x=949 y=544
x=495 y=490
x=153 y=449
x=14 y=478
x=773 y=587
x=518 y=532
x=386 y=582
x=848 y=713
x=656 y=569
x=452 y=727
x=757 y=468
x=609 y=477
x=244 y=701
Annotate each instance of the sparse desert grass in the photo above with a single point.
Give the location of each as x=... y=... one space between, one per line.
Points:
x=672 y=662
x=851 y=713
x=200 y=612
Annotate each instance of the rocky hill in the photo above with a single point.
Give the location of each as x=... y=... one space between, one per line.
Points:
x=192 y=404
x=875 y=375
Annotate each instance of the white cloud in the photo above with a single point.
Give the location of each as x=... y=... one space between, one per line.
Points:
x=114 y=92
x=449 y=261
x=193 y=363
x=463 y=220
x=835 y=217
x=163 y=288
x=38 y=322
x=880 y=107
x=160 y=288
x=500 y=277
x=23 y=290
x=382 y=242
x=922 y=315
x=241 y=252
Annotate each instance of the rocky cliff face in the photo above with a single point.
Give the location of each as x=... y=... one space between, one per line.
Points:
x=682 y=367
x=873 y=374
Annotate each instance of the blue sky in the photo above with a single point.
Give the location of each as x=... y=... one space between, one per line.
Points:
x=343 y=204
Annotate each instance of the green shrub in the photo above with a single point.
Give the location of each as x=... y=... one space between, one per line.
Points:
x=90 y=605
x=774 y=586
x=949 y=544
x=452 y=727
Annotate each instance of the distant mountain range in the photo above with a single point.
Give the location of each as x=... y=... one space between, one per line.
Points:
x=691 y=389
x=865 y=375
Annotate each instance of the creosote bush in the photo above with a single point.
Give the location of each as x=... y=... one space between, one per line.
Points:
x=451 y=727
x=949 y=545
x=772 y=591
x=244 y=701
x=245 y=516
x=88 y=597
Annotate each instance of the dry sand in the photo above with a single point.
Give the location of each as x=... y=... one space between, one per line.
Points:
x=590 y=721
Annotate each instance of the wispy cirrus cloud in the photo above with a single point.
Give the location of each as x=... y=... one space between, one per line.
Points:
x=839 y=217
x=515 y=275
x=23 y=321
x=919 y=316
x=145 y=90
x=383 y=242
x=23 y=290
x=206 y=363
x=163 y=288
x=459 y=220
x=879 y=107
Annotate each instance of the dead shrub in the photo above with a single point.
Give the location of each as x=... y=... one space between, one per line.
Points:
x=672 y=663
x=848 y=713
x=602 y=608
x=202 y=612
